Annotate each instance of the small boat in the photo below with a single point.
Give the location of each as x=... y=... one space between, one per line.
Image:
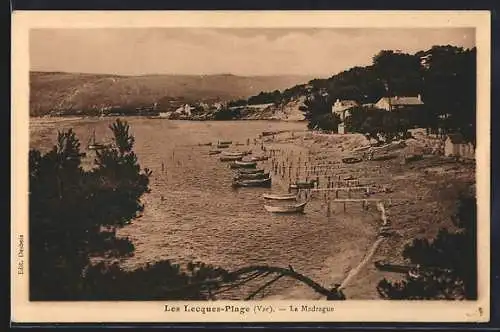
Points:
x=93 y=145
x=303 y=185
x=243 y=164
x=251 y=176
x=205 y=144
x=222 y=146
x=250 y=171
x=269 y=133
x=351 y=160
x=282 y=197
x=231 y=158
x=259 y=158
x=212 y=152
x=294 y=208
x=237 y=153
x=233 y=154
x=225 y=142
x=253 y=183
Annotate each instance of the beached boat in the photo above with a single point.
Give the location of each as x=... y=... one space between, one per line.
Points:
x=280 y=197
x=233 y=154
x=253 y=183
x=259 y=158
x=250 y=171
x=212 y=152
x=351 y=160
x=303 y=185
x=294 y=208
x=231 y=158
x=268 y=133
x=251 y=176
x=236 y=153
x=243 y=164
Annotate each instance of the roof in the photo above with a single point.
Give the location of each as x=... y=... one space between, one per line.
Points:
x=347 y=102
x=403 y=100
x=456 y=138
x=342 y=105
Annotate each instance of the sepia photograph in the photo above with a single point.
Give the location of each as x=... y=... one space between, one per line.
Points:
x=194 y=164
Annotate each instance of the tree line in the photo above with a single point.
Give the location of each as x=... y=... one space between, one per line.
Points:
x=445 y=77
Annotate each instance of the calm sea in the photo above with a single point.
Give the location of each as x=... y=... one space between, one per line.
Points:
x=192 y=213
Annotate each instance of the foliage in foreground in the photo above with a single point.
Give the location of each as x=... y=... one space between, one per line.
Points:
x=74 y=215
x=447 y=264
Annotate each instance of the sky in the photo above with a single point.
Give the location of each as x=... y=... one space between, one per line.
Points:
x=238 y=51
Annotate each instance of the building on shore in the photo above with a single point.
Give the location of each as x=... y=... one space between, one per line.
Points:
x=342 y=107
x=456 y=146
x=398 y=103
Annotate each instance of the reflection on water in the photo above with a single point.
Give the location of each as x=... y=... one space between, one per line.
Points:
x=192 y=213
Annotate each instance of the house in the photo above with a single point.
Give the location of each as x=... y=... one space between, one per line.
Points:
x=397 y=103
x=341 y=107
x=456 y=146
x=185 y=110
x=165 y=114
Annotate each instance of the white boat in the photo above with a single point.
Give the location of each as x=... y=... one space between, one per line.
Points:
x=93 y=145
x=243 y=164
x=236 y=154
x=282 y=197
x=295 y=208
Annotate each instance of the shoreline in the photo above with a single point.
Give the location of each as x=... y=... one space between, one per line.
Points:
x=415 y=211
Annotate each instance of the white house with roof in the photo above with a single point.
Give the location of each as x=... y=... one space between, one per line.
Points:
x=455 y=145
x=397 y=102
x=342 y=107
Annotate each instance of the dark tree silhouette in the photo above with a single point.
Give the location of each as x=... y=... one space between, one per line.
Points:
x=447 y=265
x=74 y=215
x=318 y=113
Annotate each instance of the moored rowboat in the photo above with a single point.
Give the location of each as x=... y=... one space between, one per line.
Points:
x=243 y=164
x=294 y=208
x=230 y=158
x=282 y=197
x=250 y=171
x=302 y=185
x=251 y=176
x=236 y=153
x=351 y=160
x=253 y=183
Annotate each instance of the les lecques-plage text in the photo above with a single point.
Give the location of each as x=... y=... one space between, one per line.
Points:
x=205 y=309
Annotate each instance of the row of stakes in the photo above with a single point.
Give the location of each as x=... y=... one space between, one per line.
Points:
x=283 y=165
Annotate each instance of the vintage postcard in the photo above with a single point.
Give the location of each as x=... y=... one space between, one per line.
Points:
x=244 y=166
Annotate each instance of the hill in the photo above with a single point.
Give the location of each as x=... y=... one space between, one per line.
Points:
x=56 y=92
